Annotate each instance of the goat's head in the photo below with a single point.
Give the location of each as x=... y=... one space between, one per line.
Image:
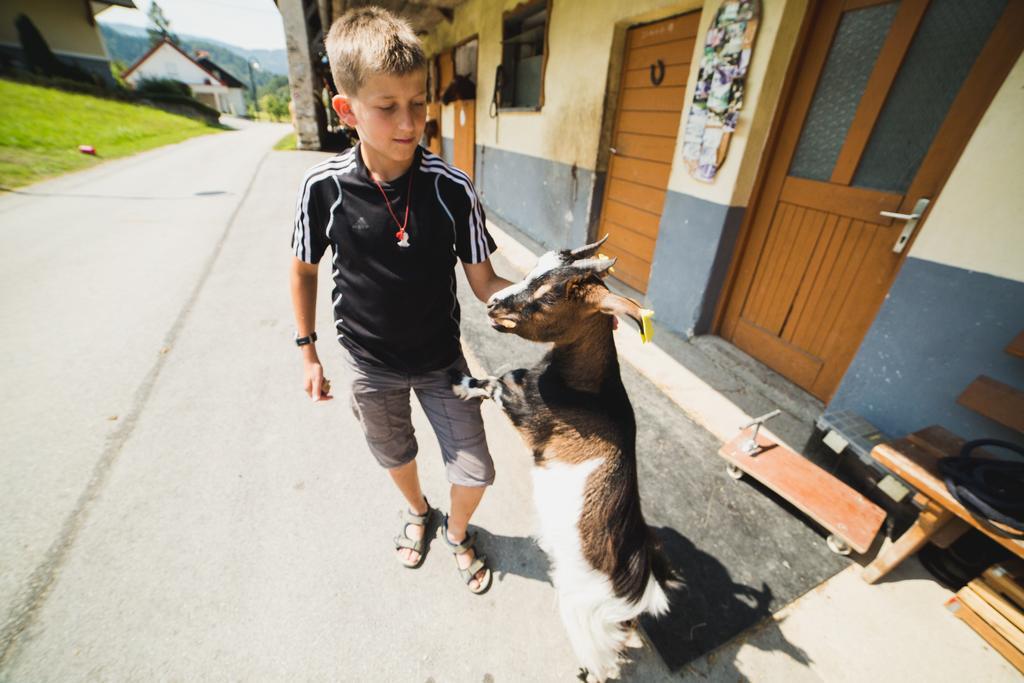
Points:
x=556 y=299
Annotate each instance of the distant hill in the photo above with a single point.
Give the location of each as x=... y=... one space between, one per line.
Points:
x=127 y=43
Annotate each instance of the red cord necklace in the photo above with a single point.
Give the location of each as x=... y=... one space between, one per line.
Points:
x=403 y=239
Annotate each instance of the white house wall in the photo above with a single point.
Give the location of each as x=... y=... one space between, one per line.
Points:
x=977 y=222
x=580 y=35
x=230 y=100
x=63 y=24
x=167 y=62
x=65 y=27
x=236 y=102
x=543 y=172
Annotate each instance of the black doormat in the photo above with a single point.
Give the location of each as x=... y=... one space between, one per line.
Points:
x=742 y=552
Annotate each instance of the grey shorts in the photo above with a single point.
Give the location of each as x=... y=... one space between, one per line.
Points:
x=380 y=401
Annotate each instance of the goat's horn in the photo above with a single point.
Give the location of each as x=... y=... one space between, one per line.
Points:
x=594 y=265
x=587 y=250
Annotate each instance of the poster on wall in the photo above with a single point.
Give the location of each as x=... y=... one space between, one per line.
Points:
x=718 y=96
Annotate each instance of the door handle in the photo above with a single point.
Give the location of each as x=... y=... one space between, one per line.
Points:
x=901 y=216
x=911 y=219
x=613 y=150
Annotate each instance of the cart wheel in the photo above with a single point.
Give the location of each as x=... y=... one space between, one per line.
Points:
x=733 y=471
x=838 y=545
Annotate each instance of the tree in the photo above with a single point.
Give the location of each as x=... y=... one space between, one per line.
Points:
x=275 y=105
x=117 y=68
x=160 y=25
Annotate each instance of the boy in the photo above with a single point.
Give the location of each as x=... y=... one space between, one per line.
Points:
x=396 y=217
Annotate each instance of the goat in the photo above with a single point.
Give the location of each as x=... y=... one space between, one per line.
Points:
x=575 y=416
x=461 y=88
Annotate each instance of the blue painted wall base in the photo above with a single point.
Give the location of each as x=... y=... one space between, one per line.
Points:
x=696 y=239
x=939 y=328
x=547 y=200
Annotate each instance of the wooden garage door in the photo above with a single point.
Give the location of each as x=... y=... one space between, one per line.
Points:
x=656 y=68
x=887 y=96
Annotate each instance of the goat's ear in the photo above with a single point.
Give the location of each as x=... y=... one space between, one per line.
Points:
x=613 y=304
x=576 y=284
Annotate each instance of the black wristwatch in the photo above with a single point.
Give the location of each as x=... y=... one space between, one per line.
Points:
x=302 y=341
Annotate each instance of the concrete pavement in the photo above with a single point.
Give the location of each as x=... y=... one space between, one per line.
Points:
x=98 y=269
x=225 y=527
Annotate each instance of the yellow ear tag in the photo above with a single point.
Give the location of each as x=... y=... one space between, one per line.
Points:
x=647 y=333
x=602 y=256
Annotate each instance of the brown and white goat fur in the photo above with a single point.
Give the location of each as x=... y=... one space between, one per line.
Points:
x=575 y=416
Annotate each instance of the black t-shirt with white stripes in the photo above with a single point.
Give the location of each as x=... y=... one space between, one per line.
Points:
x=394 y=306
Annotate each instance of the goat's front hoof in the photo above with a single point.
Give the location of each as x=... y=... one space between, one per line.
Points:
x=466 y=387
x=460 y=383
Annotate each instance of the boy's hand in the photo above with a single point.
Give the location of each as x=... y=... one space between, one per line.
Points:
x=318 y=387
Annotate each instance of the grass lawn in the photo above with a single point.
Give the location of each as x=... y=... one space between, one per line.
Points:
x=287 y=142
x=41 y=129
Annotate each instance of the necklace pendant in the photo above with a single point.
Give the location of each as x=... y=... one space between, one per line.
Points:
x=404 y=240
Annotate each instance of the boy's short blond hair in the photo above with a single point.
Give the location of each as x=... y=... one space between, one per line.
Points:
x=367 y=41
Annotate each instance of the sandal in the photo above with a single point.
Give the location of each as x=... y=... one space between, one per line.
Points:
x=478 y=563
x=402 y=540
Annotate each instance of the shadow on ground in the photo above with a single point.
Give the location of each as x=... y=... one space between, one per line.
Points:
x=705 y=608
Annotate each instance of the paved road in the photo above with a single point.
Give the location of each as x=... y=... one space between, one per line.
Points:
x=98 y=270
x=172 y=507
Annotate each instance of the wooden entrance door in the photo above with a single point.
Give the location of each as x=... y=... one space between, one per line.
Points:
x=465 y=136
x=655 y=71
x=464 y=58
x=887 y=95
x=434 y=114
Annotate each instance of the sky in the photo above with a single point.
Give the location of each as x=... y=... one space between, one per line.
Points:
x=252 y=24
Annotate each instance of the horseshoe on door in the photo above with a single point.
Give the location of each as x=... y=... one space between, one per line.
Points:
x=658 y=72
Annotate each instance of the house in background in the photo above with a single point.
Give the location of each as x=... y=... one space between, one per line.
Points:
x=210 y=84
x=69 y=28
x=862 y=238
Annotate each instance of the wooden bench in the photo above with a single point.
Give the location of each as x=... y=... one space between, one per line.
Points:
x=852 y=519
x=995 y=400
x=914 y=459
